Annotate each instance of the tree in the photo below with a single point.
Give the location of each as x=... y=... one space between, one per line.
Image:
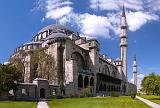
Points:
x=62 y=89
x=157 y=86
x=9 y=75
x=151 y=84
x=43 y=65
x=19 y=62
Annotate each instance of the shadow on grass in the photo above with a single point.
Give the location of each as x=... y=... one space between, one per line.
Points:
x=154 y=99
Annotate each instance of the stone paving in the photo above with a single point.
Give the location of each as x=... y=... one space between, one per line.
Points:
x=152 y=104
x=42 y=104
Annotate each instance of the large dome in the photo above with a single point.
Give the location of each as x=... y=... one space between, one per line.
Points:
x=54 y=27
x=56 y=35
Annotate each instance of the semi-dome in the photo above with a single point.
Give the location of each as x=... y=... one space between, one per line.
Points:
x=54 y=27
x=56 y=35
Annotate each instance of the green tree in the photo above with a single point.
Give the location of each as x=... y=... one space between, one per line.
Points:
x=44 y=63
x=9 y=75
x=62 y=89
x=19 y=62
x=150 y=84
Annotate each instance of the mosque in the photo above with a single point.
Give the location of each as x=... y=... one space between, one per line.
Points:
x=78 y=63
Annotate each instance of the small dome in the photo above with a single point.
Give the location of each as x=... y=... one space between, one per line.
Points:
x=57 y=35
x=118 y=59
x=31 y=43
x=54 y=27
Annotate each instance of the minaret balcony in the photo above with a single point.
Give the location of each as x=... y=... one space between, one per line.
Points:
x=123 y=26
x=123 y=44
x=123 y=36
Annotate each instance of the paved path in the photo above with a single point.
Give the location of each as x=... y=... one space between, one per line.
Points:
x=42 y=104
x=152 y=104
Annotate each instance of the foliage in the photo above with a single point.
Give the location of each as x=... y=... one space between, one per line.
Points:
x=62 y=89
x=59 y=96
x=133 y=95
x=114 y=94
x=42 y=64
x=19 y=63
x=85 y=92
x=73 y=94
x=151 y=84
x=9 y=74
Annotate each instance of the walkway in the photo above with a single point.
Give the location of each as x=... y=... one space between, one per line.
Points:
x=152 y=104
x=42 y=104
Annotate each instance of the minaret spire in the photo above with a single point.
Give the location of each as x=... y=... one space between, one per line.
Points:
x=134 y=71
x=123 y=43
x=123 y=11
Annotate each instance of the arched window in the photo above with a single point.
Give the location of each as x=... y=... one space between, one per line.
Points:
x=79 y=58
x=101 y=87
x=86 y=82
x=104 y=87
x=106 y=70
x=80 y=81
x=91 y=81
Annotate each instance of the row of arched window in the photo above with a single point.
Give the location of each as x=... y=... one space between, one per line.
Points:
x=85 y=82
x=104 y=87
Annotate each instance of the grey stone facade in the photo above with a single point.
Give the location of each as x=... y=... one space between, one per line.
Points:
x=79 y=63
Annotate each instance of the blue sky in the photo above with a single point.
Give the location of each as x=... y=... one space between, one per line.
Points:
x=21 y=19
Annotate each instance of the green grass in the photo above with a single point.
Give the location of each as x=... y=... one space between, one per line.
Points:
x=18 y=104
x=108 y=102
x=152 y=98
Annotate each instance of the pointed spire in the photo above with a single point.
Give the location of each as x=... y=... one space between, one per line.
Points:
x=134 y=57
x=123 y=11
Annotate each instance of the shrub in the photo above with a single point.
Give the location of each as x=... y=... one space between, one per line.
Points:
x=133 y=95
x=114 y=94
x=85 y=92
x=73 y=94
x=59 y=96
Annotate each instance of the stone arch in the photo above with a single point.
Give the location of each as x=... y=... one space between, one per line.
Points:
x=104 y=87
x=79 y=58
x=92 y=81
x=80 y=81
x=42 y=93
x=86 y=82
x=109 y=88
x=101 y=87
x=106 y=70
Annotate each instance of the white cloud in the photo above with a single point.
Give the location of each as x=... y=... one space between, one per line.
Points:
x=116 y=4
x=132 y=80
x=106 y=25
x=140 y=76
x=136 y=20
x=139 y=79
x=94 y=25
x=56 y=9
x=5 y=63
x=104 y=5
x=59 y=12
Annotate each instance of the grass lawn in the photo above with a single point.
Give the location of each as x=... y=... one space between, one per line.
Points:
x=18 y=104
x=108 y=102
x=152 y=98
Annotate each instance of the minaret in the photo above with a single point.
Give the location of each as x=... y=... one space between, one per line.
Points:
x=123 y=44
x=134 y=71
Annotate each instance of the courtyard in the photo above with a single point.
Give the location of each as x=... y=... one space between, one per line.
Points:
x=94 y=102
x=18 y=104
x=107 y=102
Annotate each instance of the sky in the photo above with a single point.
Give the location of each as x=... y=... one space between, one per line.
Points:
x=20 y=20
